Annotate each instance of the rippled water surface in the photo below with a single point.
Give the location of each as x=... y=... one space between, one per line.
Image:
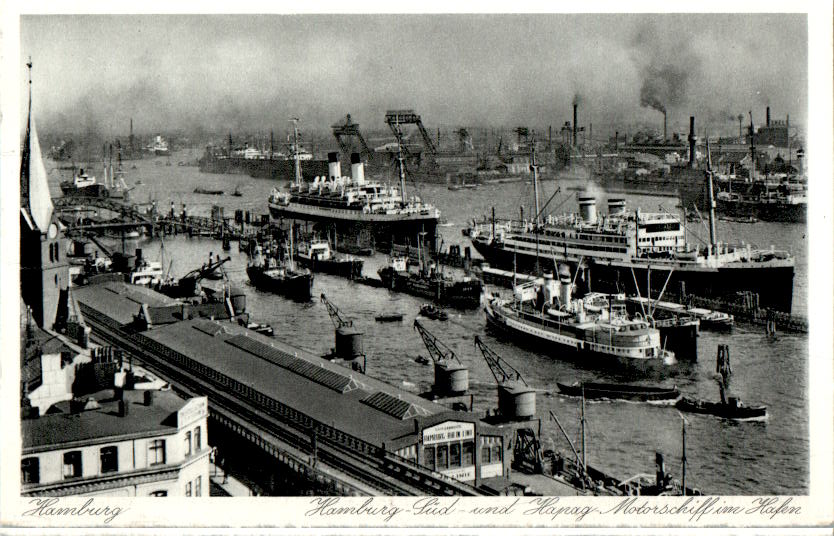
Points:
x=723 y=457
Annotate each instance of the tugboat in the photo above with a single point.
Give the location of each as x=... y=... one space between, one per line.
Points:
x=207 y=191
x=83 y=185
x=317 y=256
x=729 y=407
x=429 y=310
x=280 y=277
x=428 y=282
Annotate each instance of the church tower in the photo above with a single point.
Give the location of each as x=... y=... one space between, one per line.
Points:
x=44 y=271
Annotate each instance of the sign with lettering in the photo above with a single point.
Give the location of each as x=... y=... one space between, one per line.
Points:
x=193 y=410
x=448 y=431
x=465 y=474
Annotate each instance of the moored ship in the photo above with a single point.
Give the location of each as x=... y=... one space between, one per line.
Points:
x=620 y=248
x=355 y=205
x=280 y=277
x=428 y=282
x=318 y=257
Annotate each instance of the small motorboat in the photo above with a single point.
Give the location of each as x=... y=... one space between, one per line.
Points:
x=237 y=192
x=390 y=317
x=620 y=391
x=423 y=360
x=201 y=190
x=430 y=310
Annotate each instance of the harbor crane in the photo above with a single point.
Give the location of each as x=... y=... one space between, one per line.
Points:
x=350 y=130
x=503 y=372
x=451 y=377
x=335 y=314
x=395 y=118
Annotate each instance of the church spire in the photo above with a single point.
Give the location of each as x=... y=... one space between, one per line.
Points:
x=34 y=187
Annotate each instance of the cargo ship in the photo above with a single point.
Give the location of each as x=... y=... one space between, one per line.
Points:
x=787 y=202
x=428 y=282
x=354 y=205
x=262 y=164
x=617 y=251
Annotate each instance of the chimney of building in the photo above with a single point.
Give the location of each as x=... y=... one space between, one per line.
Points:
x=575 y=106
x=664 y=125
x=123 y=411
x=767 y=117
x=148 y=397
x=692 y=141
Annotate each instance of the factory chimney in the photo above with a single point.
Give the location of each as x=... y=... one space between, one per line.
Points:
x=740 y=135
x=575 y=106
x=692 y=142
x=616 y=140
x=664 y=126
x=767 y=117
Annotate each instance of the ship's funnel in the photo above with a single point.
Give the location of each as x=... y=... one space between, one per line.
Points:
x=616 y=207
x=551 y=288
x=564 y=279
x=357 y=169
x=588 y=209
x=334 y=165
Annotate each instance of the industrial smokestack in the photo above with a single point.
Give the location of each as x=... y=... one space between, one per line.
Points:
x=664 y=125
x=692 y=141
x=575 y=106
x=333 y=164
x=616 y=140
x=740 y=134
x=767 y=117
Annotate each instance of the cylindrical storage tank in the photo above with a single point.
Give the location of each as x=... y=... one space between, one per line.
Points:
x=616 y=207
x=450 y=379
x=238 y=298
x=588 y=209
x=516 y=401
x=333 y=165
x=349 y=343
x=564 y=280
x=357 y=169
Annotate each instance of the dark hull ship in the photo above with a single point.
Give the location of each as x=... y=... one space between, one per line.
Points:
x=619 y=391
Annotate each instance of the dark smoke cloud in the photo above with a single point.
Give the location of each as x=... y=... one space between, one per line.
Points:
x=250 y=74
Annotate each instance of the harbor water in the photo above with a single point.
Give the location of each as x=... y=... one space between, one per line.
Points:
x=723 y=457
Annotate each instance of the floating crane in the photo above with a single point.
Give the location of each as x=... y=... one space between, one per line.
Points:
x=348 y=339
x=451 y=378
x=516 y=399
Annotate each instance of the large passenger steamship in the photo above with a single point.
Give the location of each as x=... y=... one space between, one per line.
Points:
x=621 y=250
x=354 y=204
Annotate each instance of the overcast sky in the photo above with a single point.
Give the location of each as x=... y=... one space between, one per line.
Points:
x=250 y=73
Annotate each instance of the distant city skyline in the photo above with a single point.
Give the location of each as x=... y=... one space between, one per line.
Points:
x=251 y=73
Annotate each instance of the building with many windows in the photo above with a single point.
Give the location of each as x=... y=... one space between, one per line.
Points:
x=118 y=443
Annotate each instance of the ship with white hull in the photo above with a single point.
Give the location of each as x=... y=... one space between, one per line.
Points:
x=620 y=251
x=355 y=205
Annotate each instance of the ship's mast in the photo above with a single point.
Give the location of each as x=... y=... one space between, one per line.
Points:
x=295 y=151
x=535 y=169
x=400 y=162
x=711 y=201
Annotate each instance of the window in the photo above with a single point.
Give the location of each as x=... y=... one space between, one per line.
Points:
x=159 y=493
x=454 y=455
x=485 y=454
x=109 y=459
x=496 y=453
x=72 y=464
x=443 y=456
x=30 y=471
x=468 y=453
x=198 y=439
x=428 y=457
x=156 y=452
x=188 y=489
x=188 y=443
x=198 y=486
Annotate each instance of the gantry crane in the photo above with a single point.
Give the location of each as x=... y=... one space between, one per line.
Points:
x=348 y=130
x=395 y=118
